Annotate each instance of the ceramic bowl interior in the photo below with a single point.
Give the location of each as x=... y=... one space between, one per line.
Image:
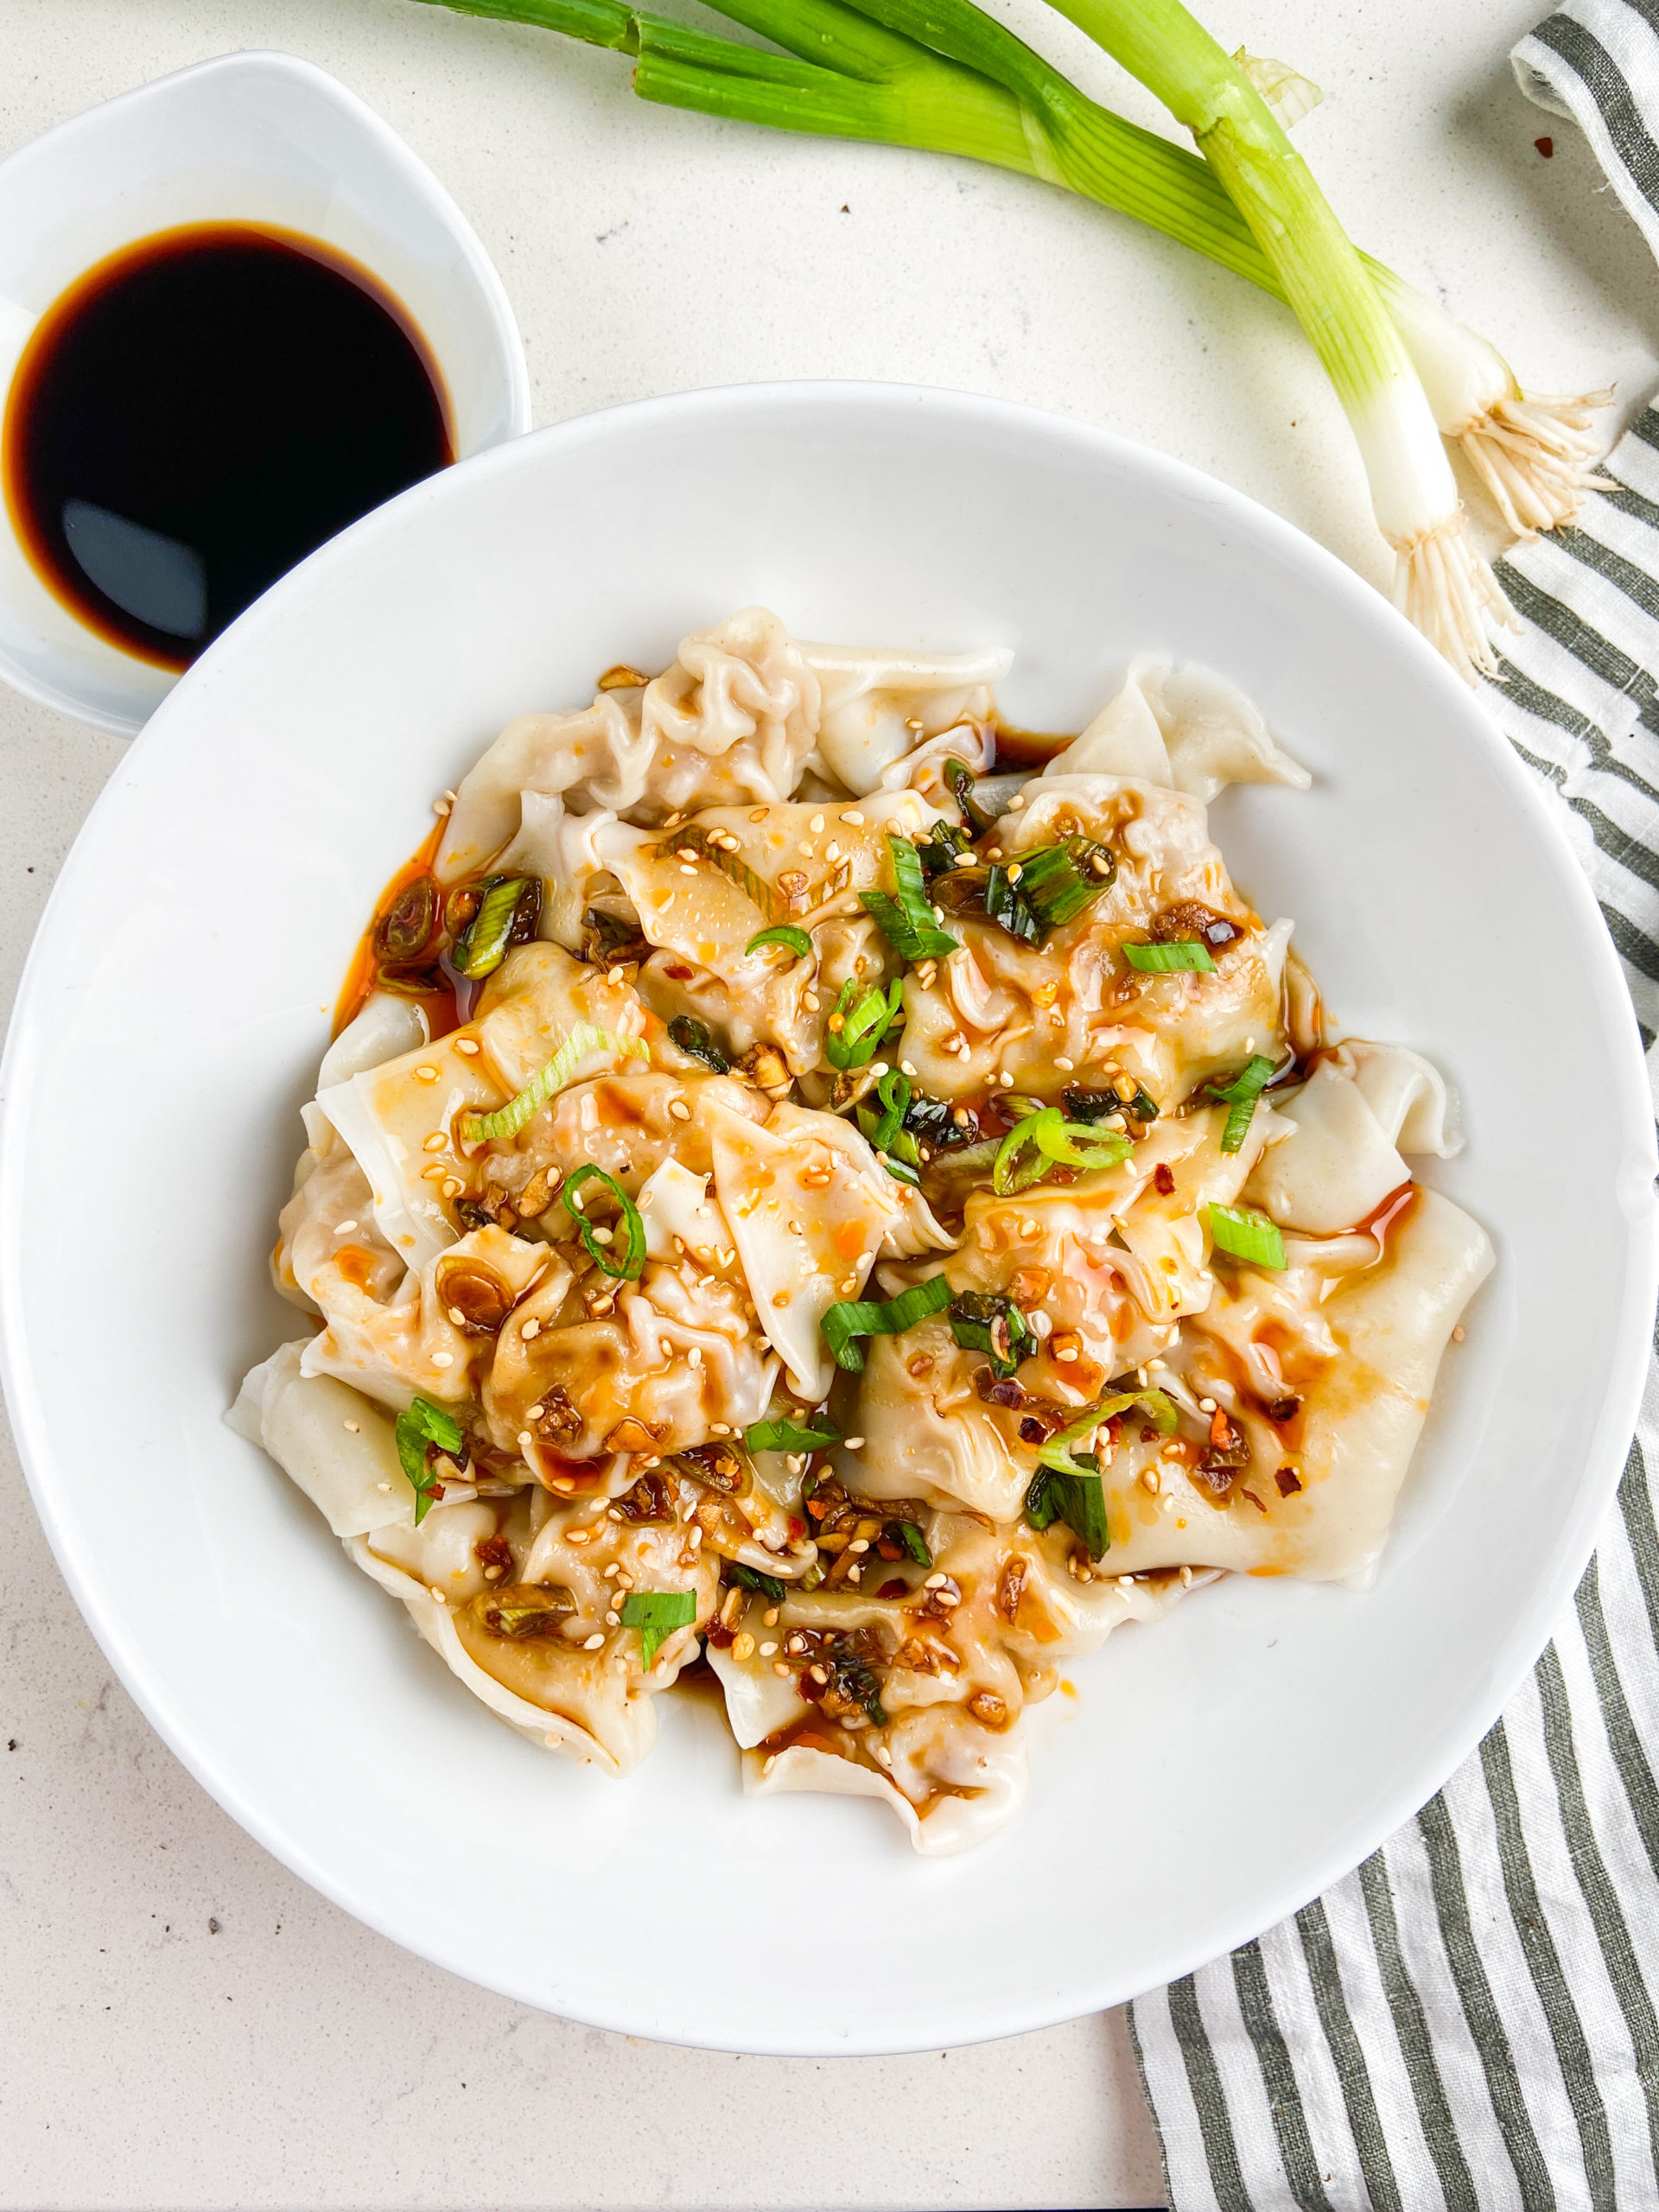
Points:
x=1212 y=1772
x=249 y=137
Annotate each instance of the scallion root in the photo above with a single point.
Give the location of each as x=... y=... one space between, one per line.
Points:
x=1537 y=458
x=1444 y=584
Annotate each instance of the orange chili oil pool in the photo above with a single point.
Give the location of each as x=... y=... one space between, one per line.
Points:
x=199 y=412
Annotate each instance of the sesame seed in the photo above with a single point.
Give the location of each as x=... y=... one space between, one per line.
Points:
x=1040 y=1325
x=426 y=1074
x=443 y=1359
x=1028 y=1226
x=934 y=1582
x=595 y=1642
x=778 y=1667
x=884 y=1754
x=353 y=1428
x=816 y=824
x=966 y=860
x=680 y=1110
x=767 y=1650
x=1066 y=1351
x=468 y=1046
x=452 y=1186
x=854 y=1444
x=1005 y=1080
x=1460 y=1335
x=344 y=1228
x=438 y=1594
x=531 y=1328
x=853 y=815
x=525 y=1440
x=1187 y=1578
x=759 y=814
x=385 y=1486
x=907 y=1067
x=1066 y=1066
x=772 y=1760
x=694 y=1357
x=770 y=1616
x=1206 y=1405
x=436 y=1143
x=552 y=1741
x=439 y=807
x=859 y=1544
x=1015 y=873
x=1016 y=802
x=832 y=851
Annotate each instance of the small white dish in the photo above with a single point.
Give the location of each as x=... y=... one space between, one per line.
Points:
x=1216 y=1770
x=254 y=138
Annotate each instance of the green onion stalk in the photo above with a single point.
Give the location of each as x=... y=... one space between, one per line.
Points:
x=941 y=76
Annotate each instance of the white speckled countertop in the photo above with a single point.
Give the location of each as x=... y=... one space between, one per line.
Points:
x=182 y=2024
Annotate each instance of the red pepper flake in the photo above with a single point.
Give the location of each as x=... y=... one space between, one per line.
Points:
x=1289 y=1482
x=1163 y=1180
x=1546 y=147
x=897 y=1588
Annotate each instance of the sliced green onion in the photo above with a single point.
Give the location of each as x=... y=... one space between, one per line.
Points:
x=852 y=1318
x=695 y=1040
x=900 y=1155
x=768 y=1584
x=962 y=789
x=656 y=1614
x=1075 y=1495
x=484 y=946
x=1157 y=1405
x=988 y=1321
x=913 y=1541
x=1185 y=955
x=1096 y=1105
x=693 y=839
x=790 y=1436
x=865 y=1021
x=1040 y=891
x=423 y=1424
x=630 y=1267
x=784 y=933
x=938 y=850
x=507 y=1121
x=1045 y=1140
x=1247 y=1235
x=1240 y=1096
x=907 y=922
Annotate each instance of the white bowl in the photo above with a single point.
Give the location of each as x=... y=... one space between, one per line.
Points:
x=1216 y=1769
x=252 y=138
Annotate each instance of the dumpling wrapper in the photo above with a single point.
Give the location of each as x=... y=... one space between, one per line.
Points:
x=806 y=1245
x=535 y=1000
x=1186 y=727
x=1361 y=1417
x=1336 y=1164
x=874 y=699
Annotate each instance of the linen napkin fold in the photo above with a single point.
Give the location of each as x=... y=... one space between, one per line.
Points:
x=1471 y=2020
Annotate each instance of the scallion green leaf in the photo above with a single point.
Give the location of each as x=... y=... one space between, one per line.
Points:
x=866 y=1018
x=962 y=789
x=629 y=1268
x=907 y=921
x=768 y=1584
x=695 y=1040
x=988 y=1321
x=1075 y=1495
x=1185 y=956
x=1045 y=1140
x=784 y=933
x=790 y=1436
x=423 y=1424
x=913 y=1541
x=1240 y=1097
x=507 y=1121
x=656 y=1614
x=852 y=1318
x=483 y=947
x=1247 y=1235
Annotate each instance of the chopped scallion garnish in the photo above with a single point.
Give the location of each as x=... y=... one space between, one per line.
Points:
x=1240 y=1097
x=962 y=789
x=423 y=1424
x=656 y=1614
x=1075 y=1495
x=866 y=1018
x=768 y=1584
x=631 y=1264
x=1185 y=955
x=510 y=903
x=1045 y=1140
x=790 y=1436
x=507 y=1121
x=907 y=921
x=1247 y=1235
x=987 y=1321
x=852 y=1318
x=696 y=1041
x=913 y=1541
x=784 y=933
x=1039 y=890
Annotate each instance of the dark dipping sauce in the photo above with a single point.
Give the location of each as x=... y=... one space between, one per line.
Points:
x=201 y=411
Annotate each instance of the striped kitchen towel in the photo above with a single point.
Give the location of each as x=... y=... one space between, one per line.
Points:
x=1472 y=2019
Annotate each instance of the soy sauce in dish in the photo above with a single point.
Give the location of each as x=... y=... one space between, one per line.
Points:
x=201 y=411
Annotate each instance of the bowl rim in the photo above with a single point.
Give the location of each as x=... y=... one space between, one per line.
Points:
x=1603 y=1455
x=506 y=341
